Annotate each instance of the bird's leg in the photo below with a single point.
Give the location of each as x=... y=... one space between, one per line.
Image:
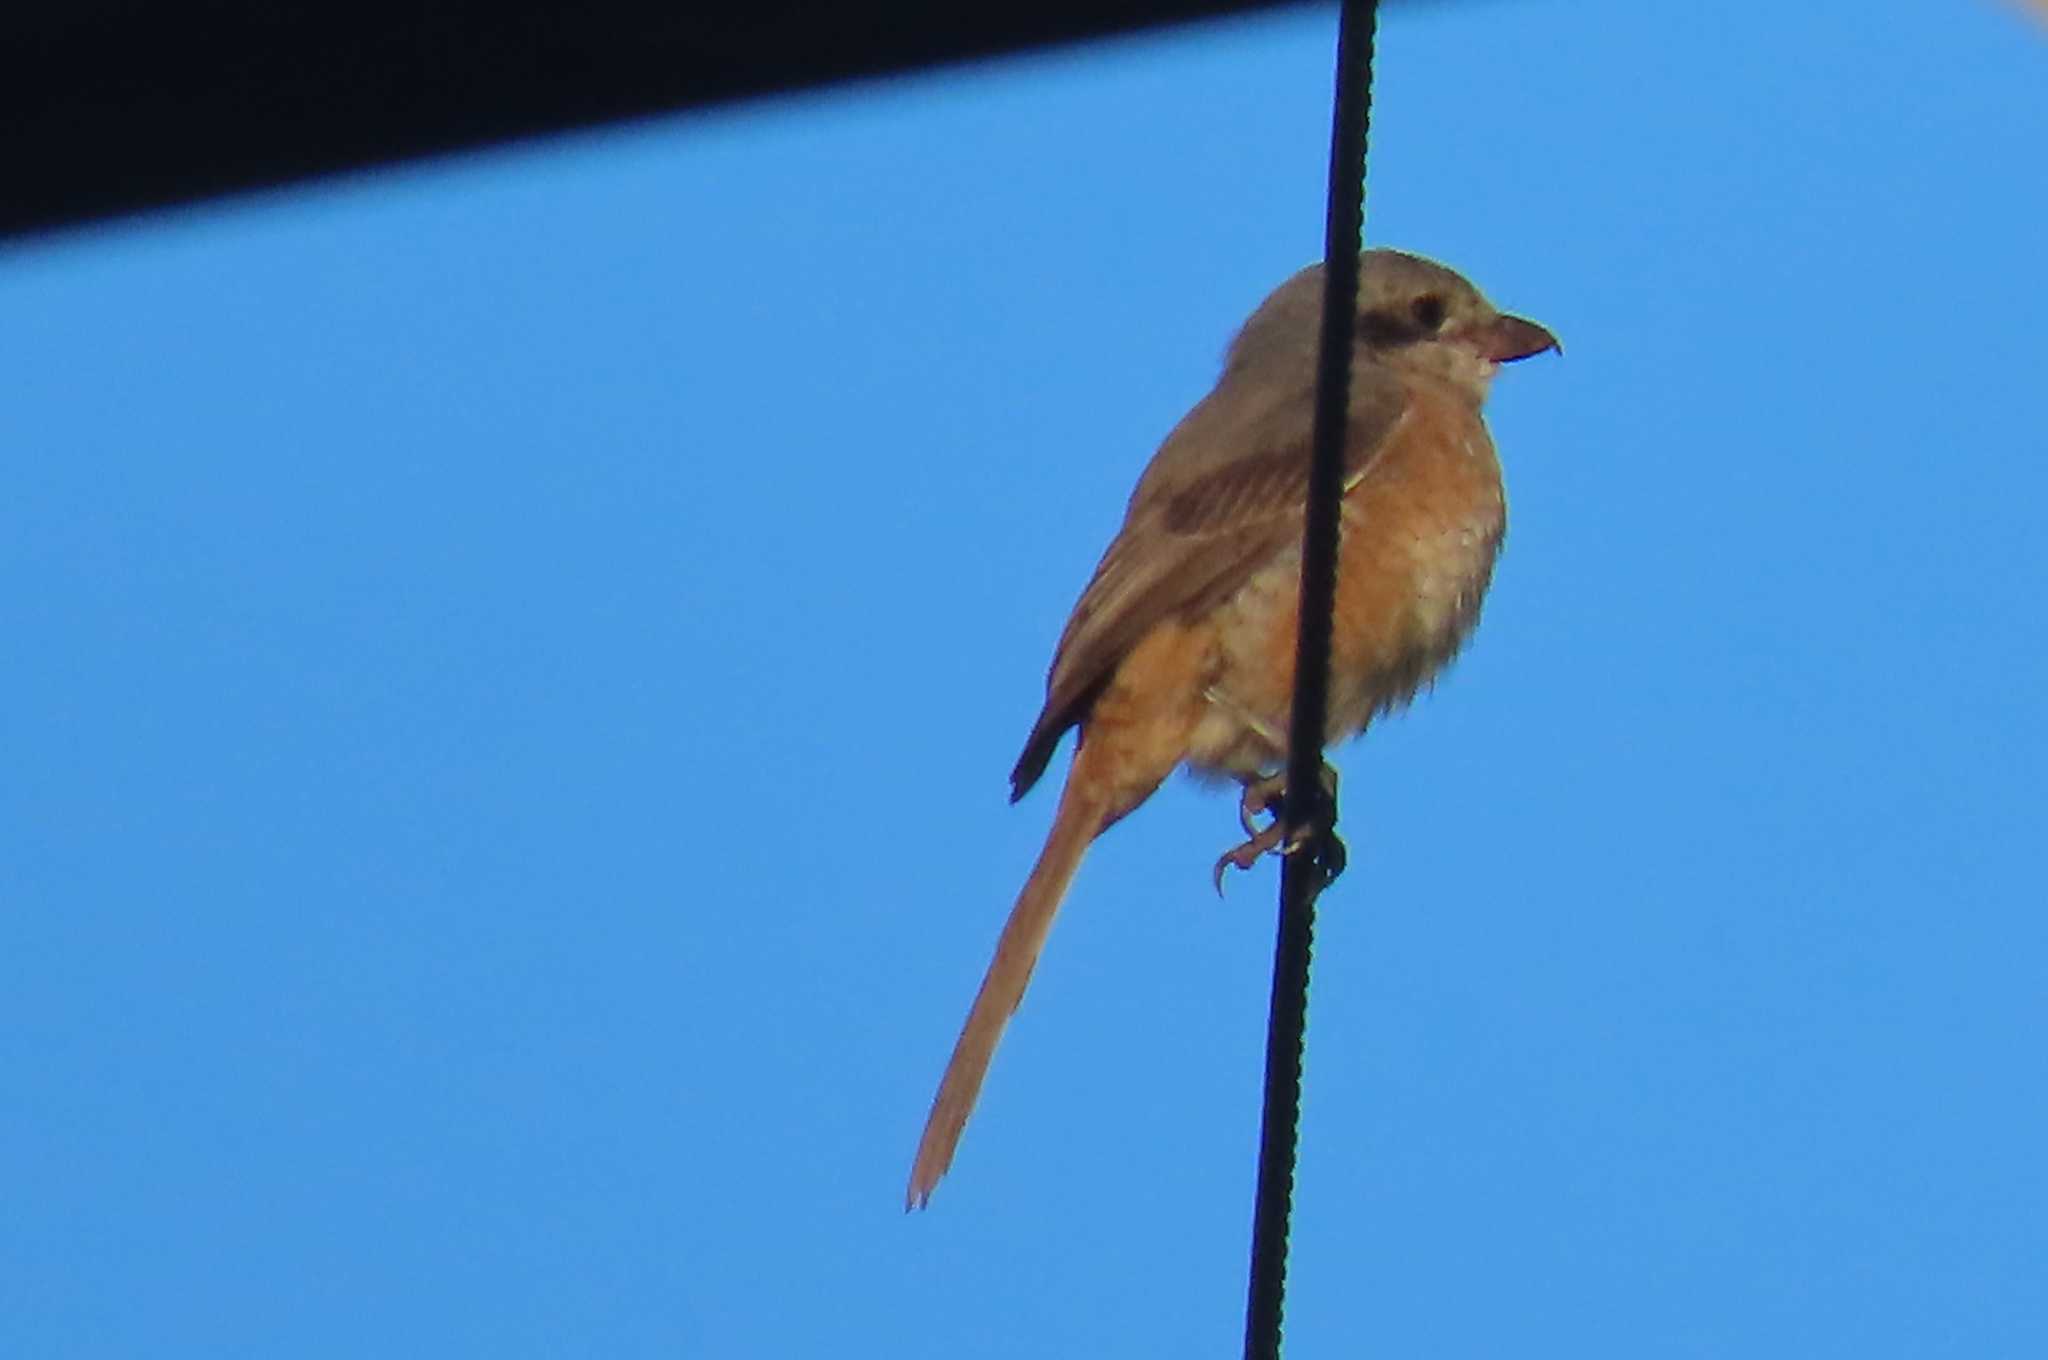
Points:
x=1318 y=835
x=1261 y=795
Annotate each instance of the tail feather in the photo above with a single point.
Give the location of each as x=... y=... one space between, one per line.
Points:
x=1079 y=820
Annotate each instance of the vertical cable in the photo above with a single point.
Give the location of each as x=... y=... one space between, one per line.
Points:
x=1308 y=805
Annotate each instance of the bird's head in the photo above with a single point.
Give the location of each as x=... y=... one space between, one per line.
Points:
x=1412 y=313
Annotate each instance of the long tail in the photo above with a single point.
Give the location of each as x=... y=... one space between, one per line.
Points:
x=1080 y=819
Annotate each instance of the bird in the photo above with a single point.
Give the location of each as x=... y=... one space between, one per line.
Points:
x=1181 y=648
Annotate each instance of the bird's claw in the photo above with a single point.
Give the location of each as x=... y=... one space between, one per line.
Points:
x=1317 y=836
x=1246 y=855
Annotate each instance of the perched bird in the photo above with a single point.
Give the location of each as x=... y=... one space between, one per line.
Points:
x=1181 y=648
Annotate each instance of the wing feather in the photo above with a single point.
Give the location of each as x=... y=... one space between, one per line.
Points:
x=1223 y=496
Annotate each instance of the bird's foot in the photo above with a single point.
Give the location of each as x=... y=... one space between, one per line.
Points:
x=1317 y=836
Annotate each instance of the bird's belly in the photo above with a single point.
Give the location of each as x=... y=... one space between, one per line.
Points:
x=1401 y=618
x=1418 y=553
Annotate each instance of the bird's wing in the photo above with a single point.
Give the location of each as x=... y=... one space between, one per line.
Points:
x=1224 y=495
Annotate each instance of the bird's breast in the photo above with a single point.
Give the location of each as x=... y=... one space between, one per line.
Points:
x=1421 y=530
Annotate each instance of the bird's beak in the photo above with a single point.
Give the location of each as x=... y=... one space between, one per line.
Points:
x=1508 y=338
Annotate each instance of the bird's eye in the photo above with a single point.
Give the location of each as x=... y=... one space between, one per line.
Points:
x=1429 y=311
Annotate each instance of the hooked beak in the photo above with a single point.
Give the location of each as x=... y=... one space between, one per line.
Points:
x=1508 y=338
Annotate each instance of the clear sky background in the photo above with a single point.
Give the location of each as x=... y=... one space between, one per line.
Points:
x=512 y=665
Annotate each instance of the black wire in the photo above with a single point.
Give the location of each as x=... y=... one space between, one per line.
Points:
x=1308 y=803
x=116 y=108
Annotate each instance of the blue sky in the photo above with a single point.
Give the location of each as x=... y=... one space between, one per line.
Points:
x=514 y=664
